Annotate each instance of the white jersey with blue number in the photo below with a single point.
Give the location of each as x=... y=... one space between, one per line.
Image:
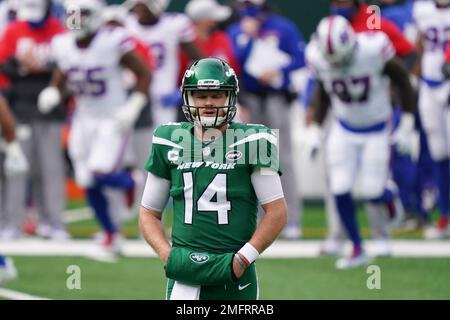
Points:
x=164 y=38
x=359 y=93
x=94 y=74
x=434 y=24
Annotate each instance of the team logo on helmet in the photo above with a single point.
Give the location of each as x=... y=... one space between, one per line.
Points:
x=199 y=257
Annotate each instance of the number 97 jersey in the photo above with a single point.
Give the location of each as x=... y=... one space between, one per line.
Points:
x=359 y=92
x=215 y=205
x=94 y=74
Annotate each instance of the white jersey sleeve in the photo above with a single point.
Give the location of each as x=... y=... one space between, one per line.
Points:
x=378 y=47
x=313 y=57
x=121 y=41
x=183 y=27
x=156 y=193
x=57 y=45
x=267 y=185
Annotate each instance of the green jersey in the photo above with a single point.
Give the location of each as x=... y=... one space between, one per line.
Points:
x=215 y=205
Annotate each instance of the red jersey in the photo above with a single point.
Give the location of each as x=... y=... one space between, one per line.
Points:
x=401 y=44
x=447 y=54
x=144 y=52
x=217 y=45
x=19 y=37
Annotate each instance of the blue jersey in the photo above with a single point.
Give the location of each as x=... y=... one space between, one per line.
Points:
x=400 y=14
x=288 y=39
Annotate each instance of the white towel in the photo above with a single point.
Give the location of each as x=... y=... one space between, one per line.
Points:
x=181 y=291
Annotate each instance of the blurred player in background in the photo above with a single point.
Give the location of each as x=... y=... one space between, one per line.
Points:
x=433 y=21
x=115 y=16
x=352 y=72
x=26 y=60
x=411 y=172
x=216 y=196
x=212 y=42
x=362 y=19
x=90 y=59
x=15 y=164
x=8 y=11
x=165 y=33
x=269 y=48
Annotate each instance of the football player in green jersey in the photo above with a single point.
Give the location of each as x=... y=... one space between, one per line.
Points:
x=217 y=172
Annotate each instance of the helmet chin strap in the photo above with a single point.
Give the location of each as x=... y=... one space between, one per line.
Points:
x=207 y=122
x=211 y=122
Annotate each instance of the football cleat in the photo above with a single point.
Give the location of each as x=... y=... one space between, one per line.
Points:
x=332 y=247
x=108 y=247
x=354 y=261
x=438 y=232
x=395 y=208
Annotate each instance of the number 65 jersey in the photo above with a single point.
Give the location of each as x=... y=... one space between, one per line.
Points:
x=214 y=202
x=359 y=92
x=94 y=74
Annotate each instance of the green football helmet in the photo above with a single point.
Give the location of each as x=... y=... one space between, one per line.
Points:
x=209 y=74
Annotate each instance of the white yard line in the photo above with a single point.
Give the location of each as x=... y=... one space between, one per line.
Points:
x=280 y=249
x=16 y=295
x=75 y=215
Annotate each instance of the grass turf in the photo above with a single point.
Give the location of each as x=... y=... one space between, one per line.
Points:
x=280 y=279
x=314 y=225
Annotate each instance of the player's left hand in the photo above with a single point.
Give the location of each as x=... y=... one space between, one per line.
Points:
x=124 y=119
x=125 y=116
x=402 y=137
x=313 y=142
x=15 y=161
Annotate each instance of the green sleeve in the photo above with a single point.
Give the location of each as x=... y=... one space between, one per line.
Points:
x=267 y=155
x=158 y=162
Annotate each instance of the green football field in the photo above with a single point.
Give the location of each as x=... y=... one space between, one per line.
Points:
x=289 y=278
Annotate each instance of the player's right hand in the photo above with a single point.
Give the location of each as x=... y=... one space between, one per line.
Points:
x=402 y=137
x=313 y=142
x=238 y=270
x=15 y=161
x=48 y=99
x=126 y=115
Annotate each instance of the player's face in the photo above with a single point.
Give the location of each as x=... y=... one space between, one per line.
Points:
x=207 y=101
x=143 y=14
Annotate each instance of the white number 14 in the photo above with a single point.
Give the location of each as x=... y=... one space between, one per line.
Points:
x=217 y=188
